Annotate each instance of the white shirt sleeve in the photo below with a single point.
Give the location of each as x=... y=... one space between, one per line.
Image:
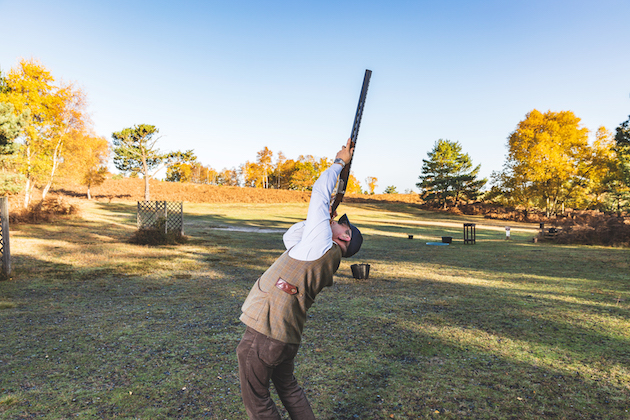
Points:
x=292 y=236
x=311 y=239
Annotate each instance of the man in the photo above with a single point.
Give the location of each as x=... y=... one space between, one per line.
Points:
x=275 y=309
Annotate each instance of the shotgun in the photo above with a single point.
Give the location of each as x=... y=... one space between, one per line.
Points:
x=345 y=172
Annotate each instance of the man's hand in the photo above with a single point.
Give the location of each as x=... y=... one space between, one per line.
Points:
x=346 y=152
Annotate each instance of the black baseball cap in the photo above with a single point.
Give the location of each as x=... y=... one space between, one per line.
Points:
x=355 y=241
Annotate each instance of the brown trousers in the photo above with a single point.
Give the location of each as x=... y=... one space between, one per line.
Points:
x=261 y=359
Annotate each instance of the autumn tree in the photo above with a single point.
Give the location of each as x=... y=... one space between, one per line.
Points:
x=263 y=159
x=86 y=160
x=54 y=112
x=180 y=167
x=257 y=174
x=354 y=186
x=548 y=160
x=596 y=182
x=201 y=174
x=448 y=175
x=307 y=170
x=229 y=177
x=371 y=182
x=291 y=174
x=72 y=122
x=252 y=175
x=283 y=170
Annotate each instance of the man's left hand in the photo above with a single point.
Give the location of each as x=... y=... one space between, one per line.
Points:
x=346 y=152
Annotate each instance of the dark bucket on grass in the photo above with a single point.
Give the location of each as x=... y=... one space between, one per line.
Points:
x=447 y=239
x=360 y=271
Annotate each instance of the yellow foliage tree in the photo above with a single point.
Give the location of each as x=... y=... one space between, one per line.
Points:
x=307 y=170
x=55 y=112
x=354 y=186
x=256 y=174
x=264 y=163
x=548 y=159
x=179 y=172
x=281 y=176
x=601 y=160
x=252 y=174
x=371 y=182
x=85 y=159
x=180 y=166
x=204 y=174
x=229 y=177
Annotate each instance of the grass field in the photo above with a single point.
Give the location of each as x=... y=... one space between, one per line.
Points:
x=94 y=327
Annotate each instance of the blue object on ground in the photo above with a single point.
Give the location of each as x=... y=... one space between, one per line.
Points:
x=437 y=243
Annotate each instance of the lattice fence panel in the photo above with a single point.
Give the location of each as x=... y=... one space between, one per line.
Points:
x=157 y=214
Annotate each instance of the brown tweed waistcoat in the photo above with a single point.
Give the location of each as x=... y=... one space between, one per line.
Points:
x=278 y=314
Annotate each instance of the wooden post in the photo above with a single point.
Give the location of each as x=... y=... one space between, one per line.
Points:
x=6 y=247
x=139 y=216
x=165 y=204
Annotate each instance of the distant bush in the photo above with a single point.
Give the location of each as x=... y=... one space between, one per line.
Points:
x=594 y=229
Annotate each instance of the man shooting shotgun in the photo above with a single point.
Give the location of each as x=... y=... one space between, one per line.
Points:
x=275 y=309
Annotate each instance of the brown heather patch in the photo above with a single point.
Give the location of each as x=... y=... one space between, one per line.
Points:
x=132 y=189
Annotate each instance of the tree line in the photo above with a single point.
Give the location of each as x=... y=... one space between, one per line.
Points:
x=136 y=153
x=46 y=134
x=550 y=165
x=282 y=173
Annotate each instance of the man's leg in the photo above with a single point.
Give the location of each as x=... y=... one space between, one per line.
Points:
x=291 y=394
x=254 y=375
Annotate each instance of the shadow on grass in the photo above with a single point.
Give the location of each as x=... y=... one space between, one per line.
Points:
x=485 y=357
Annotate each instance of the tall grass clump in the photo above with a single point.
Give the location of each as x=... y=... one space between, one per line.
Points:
x=157 y=235
x=44 y=211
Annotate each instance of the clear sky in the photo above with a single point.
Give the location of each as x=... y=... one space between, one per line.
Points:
x=227 y=78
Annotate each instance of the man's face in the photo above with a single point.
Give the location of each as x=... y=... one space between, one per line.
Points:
x=342 y=234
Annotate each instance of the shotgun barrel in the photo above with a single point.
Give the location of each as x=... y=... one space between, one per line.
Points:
x=345 y=172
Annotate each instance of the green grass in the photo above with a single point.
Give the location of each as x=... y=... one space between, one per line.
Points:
x=94 y=327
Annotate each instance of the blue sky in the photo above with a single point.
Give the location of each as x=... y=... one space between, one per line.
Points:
x=227 y=78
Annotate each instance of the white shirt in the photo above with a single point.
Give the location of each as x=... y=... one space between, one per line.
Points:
x=311 y=239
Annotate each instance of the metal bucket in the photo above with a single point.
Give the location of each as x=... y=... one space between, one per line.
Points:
x=360 y=271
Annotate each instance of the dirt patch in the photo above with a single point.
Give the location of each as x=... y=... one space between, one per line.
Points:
x=247 y=229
